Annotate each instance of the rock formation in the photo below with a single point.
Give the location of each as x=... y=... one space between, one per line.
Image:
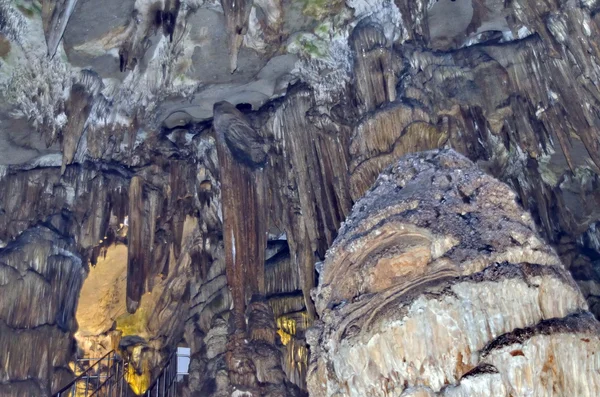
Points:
x=242 y=153
x=438 y=284
x=112 y=167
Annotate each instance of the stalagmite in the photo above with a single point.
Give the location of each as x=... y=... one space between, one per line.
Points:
x=438 y=282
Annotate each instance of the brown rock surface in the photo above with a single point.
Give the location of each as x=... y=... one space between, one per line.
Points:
x=106 y=119
x=438 y=281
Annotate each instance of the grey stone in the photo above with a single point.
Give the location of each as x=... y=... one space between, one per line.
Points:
x=210 y=59
x=92 y=20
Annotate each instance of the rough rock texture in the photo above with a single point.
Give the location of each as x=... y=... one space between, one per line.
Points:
x=242 y=153
x=438 y=281
x=254 y=358
x=51 y=240
x=35 y=340
x=107 y=140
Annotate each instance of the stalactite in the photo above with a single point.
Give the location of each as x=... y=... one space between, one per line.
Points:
x=241 y=153
x=237 y=13
x=283 y=304
x=319 y=200
x=42 y=194
x=55 y=15
x=77 y=110
x=296 y=362
x=281 y=275
x=376 y=67
x=143 y=211
x=40 y=275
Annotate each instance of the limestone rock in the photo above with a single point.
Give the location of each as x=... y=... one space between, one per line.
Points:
x=107 y=140
x=438 y=282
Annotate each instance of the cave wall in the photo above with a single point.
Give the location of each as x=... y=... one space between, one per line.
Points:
x=107 y=121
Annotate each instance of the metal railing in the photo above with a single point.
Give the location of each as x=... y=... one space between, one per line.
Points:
x=165 y=384
x=107 y=378
x=104 y=378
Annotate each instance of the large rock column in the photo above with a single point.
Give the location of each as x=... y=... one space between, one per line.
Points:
x=438 y=284
x=242 y=153
x=253 y=358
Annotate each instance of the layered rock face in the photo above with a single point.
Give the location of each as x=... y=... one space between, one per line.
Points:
x=51 y=230
x=110 y=157
x=36 y=343
x=438 y=284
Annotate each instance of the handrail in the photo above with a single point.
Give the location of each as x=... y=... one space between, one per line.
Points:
x=107 y=377
x=84 y=373
x=103 y=384
x=166 y=378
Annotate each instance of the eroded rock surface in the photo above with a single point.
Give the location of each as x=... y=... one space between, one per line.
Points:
x=35 y=340
x=438 y=284
x=107 y=140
